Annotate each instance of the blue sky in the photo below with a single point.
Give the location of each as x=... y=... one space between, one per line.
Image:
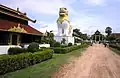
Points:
x=88 y=15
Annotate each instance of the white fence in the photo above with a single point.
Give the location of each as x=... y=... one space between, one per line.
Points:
x=4 y=48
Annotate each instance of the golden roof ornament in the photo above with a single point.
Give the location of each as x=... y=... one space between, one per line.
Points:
x=17 y=29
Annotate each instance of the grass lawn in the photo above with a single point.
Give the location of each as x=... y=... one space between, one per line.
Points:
x=115 y=50
x=44 y=69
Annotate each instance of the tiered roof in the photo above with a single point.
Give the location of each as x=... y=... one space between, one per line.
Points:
x=6 y=25
x=14 y=13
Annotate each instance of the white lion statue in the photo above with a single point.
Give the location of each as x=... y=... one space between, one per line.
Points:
x=63 y=23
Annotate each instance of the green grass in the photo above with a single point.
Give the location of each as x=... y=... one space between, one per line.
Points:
x=115 y=50
x=44 y=69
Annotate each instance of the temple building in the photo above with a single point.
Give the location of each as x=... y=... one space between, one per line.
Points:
x=97 y=36
x=14 y=28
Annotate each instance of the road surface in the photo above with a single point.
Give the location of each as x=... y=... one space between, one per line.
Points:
x=96 y=62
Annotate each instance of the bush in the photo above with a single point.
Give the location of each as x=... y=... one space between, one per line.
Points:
x=69 y=44
x=63 y=46
x=33 y=47
x=16 y=50
x=68 y=49
x=43 y=48
x=75 y=44
x=9 y=63
x=57 y=44
x=115 y=46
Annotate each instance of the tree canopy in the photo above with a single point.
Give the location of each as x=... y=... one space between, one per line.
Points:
x=108 y=30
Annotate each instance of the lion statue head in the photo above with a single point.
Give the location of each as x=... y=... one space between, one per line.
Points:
x=63 y=15
x=63 y=12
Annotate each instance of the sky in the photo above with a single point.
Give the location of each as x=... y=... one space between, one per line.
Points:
x=86 y=15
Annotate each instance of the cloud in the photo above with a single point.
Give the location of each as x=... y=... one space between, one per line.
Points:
x=79 y=19
x=95 y=2
x=89 y=24
x=41 y=6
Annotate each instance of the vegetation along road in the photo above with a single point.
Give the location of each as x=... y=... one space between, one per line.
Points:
x=96 y=62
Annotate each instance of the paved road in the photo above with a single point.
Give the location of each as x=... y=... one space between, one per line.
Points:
x=96 y=62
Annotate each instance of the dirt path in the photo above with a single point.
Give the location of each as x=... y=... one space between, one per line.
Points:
x=96 y=62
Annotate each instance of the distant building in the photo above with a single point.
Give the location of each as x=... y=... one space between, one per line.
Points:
x=97 y=36
x=14 y=28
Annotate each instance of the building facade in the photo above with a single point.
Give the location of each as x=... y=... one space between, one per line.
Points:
x=14 y=28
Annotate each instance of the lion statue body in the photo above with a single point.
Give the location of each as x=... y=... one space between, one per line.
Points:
x=64 y=28
x=63 y=23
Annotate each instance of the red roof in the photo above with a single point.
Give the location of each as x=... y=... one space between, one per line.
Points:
x=14 y=13
x=116 y=34
x=6 y=25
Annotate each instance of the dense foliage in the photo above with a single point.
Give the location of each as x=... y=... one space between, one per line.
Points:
x=68 y=49
x=9 y=63
x=16 y=50
x=116 y=46
x=57 y=44
x=33 y=47
x=65 y=45
x=80 y=35
x=48 y=39
x=69 y=44
x=108 y=30
x=63 y=41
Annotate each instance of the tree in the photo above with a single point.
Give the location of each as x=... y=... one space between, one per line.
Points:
x=76 y=32
x=108 y=30
x=110 y=38
x=63 y=41
x=49 y=38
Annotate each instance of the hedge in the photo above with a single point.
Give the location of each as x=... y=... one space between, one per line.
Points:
x=115 y=46
x=68 y=49
x=16 y=50
x=69 y=44
x=33 y=47
x=9 y=63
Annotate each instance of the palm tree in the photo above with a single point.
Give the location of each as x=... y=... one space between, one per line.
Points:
x=108 y=30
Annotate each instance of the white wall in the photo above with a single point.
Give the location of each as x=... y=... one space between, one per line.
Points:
x=40 y=45
x=4 y=48
x=78 y=43
x=67 y=38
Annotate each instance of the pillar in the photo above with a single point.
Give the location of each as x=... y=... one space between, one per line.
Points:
x=95 y=38
x=18 y=39
x=10 y=42
x=99 y=37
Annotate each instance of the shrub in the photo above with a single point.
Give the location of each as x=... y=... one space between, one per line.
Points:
x=69 y=44
x=63 y=46
x=9 y=63
x=59 y=50
x=52 y=42
x=16 y=50
x=43 y=48
x=63 y=41
x=33 y=47
x=57 y=44
x=75 y=44
x=115 y=46
x=68 y=49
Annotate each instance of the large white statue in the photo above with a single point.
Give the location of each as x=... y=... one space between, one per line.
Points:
x=63 y=23
x=64 y=28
